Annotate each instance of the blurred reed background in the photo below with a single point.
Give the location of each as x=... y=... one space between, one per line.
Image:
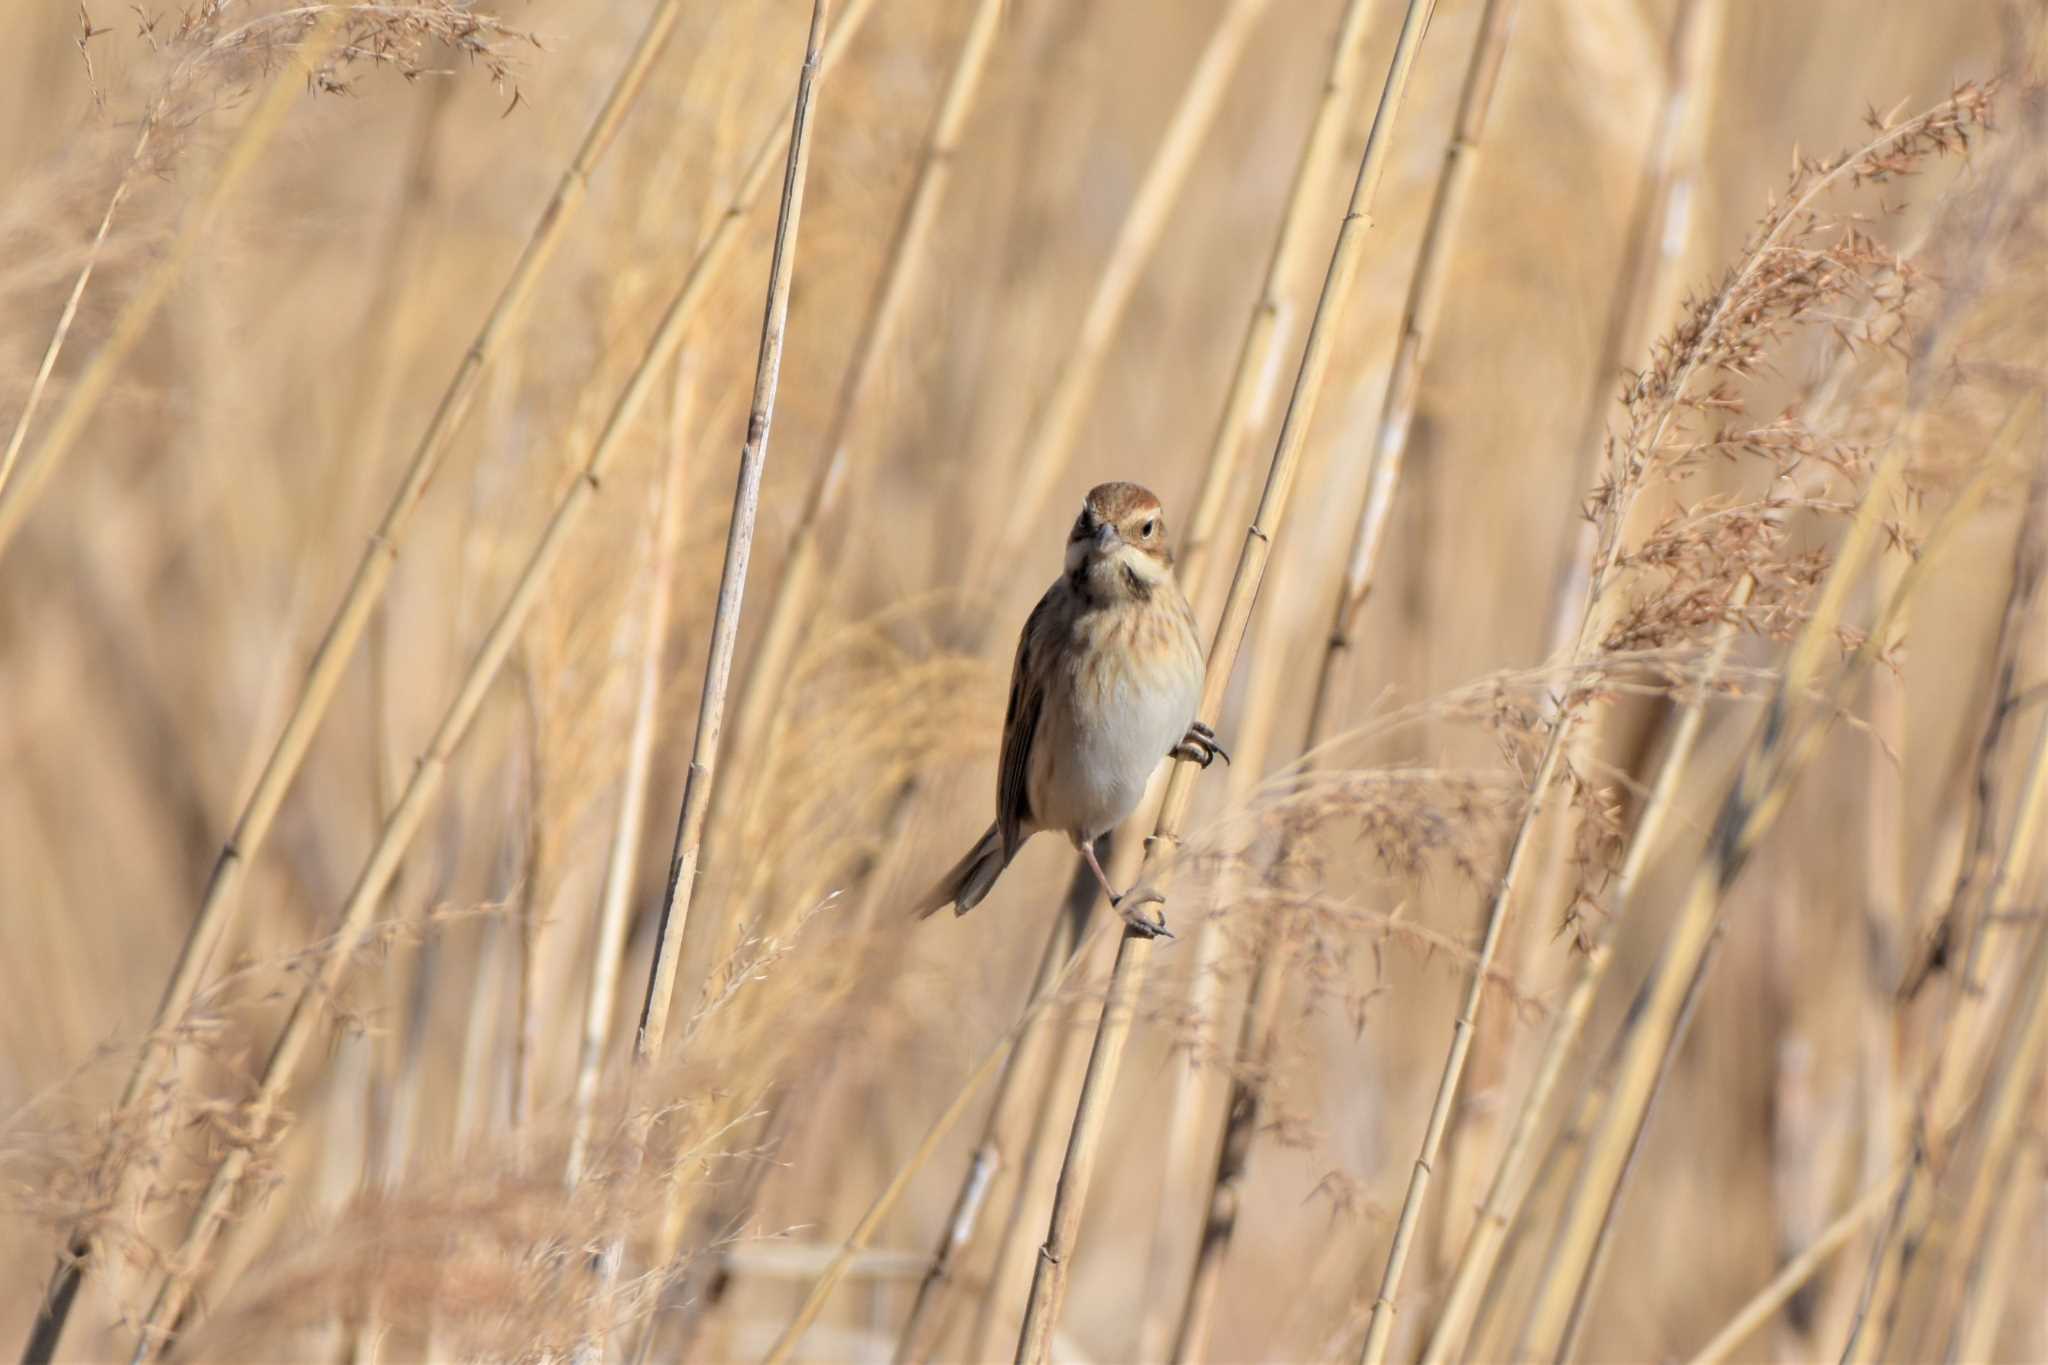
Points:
x=1676 y=490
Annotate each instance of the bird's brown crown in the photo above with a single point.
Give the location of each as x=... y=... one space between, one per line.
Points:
x=1114 y=502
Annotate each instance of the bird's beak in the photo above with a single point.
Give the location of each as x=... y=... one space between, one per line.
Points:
x=1106 y=538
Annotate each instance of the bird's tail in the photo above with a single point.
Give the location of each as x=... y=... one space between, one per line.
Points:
x=968 y=880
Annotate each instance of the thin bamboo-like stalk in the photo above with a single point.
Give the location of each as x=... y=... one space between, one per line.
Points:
x=794 y=605
x=1968 y=921
x=1424 y=301
x=1016 y=1240
x=1796 y=1273
x=1647 y=285
x=1603 y=1242
x=857 y=1240
x=1042 y=455
x=252 y=824
x=18 y=498
x=428 y=775
x=2012 y=1084
x=732 y=582
x=1048 y=1286
x=1592 y=625
x=1991 y=1277
x=1192 y=1137
x=615 y=898
x=1789 y=734
x=987 y=1162
x=1257 y=368
x=1506 y=1193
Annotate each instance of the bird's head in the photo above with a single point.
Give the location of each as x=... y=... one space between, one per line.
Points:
x=1118 y=544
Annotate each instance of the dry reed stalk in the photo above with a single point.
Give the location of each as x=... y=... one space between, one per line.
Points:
x=1041 y=456
x=794 y=605
x=2012 y=1085
x=1017 y=1241
x=1061 y=948
x=732 y=583
x=1797 y=1272
x=1189 y=1139
x=1991 y=1276
x=130 y=324
x=1709 y=343
x=1426 y=284
x=1506 y=1192
x=1192 y=1140
x=857 y=1240
x=428 y=775
x=1257 y=368
x=1953 y=1230
x=1964 y=1015
x=1048 y=1286
x=1646 y=288
x=615 y=897
x=1789 y=733
x=252 y=823
x=1926 y=1225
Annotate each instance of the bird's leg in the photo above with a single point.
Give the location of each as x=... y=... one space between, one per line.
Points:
x=1199 y=746
x=1130 y=904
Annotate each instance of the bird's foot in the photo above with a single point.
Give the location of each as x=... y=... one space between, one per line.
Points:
x=1131 y=905
x=1199 y=746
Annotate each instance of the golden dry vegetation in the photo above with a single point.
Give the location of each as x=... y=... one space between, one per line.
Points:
x=1619 y=934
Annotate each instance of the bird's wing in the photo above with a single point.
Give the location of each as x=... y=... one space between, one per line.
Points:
x=1020 y=724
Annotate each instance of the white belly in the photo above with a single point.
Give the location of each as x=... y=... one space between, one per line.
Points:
x=1098 y=746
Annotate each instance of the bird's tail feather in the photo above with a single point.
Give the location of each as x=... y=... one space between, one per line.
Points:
x=968 y=880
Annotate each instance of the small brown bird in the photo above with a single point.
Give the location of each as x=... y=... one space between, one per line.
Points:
x=1106 y=683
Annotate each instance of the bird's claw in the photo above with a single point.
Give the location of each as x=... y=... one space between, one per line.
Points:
x=1199 y=746
x=1131 y=905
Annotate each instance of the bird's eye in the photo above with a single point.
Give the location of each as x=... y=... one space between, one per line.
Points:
x=1151 y=525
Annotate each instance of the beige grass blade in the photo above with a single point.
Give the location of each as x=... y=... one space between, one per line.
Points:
x=732 y=584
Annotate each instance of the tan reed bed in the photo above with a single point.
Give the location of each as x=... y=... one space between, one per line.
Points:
x=1512 y=1184
x=1961 y=1050
x=864 y=1230
x=404 y=820
x=1787 y=736
x=18 y=498
x=1426 y=285
x=252 y=824
x=1712 y=341
x=1048 y=1286
x=1506 y=1192
x=764 y=688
